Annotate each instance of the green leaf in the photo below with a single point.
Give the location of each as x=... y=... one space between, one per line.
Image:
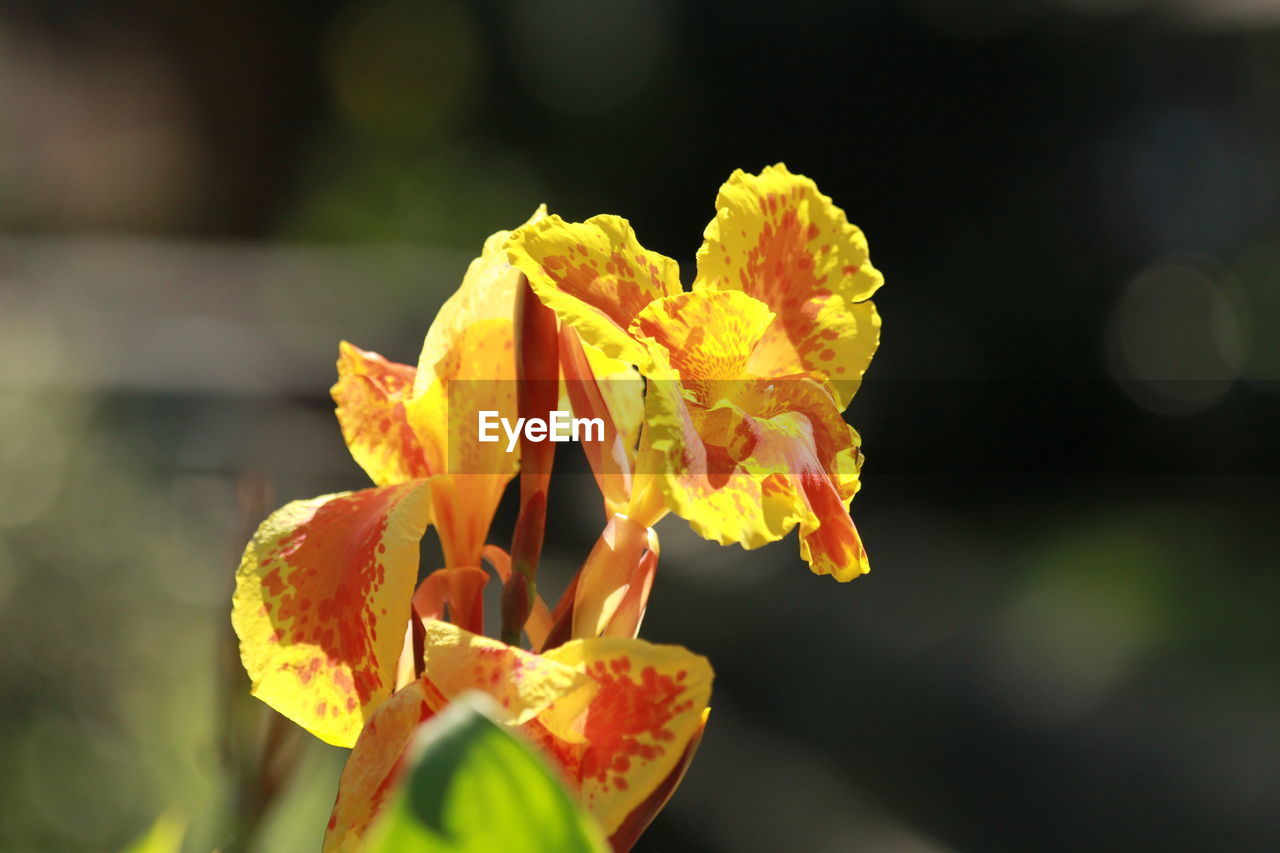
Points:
x=473 y=787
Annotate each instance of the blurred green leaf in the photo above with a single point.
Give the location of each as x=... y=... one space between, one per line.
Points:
x=472 y=787
x=164 y=836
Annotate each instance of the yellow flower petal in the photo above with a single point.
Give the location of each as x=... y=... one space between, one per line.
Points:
x=772 y=454
x=647 y=706
x=708 y=337
x=623 y=391
x=371 y=393
x=487 y=292
x=522 y=683
x=595 y=275
x=322 y=598
x=777 y=238
x=808 y=461
x=700 y=478
x=467 y=366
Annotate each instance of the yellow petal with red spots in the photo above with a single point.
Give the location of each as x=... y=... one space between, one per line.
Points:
x=371 y=394
x=321 y=601
x=809 y=462
x=708 y=338
x=521 y=683
x=700 y=479
x=647 y=706
x=777 y=238
x=771 y=454
x=595 y=275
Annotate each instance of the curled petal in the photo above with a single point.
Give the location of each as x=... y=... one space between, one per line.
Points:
x=322 y=598
x=776 y=455
x=595 y=275
x=522 y=683
x=647 y=707
x=468 y=365
x=625 y=836
x=461 y=589
x=487 y=293
x=700 y=479
x=371 y=394
x=777 y=238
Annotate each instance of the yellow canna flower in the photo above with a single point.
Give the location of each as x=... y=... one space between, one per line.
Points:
x=618 y=718
x=748 y=373
x=323 y=591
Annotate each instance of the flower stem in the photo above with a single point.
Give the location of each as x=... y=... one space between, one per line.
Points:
x=537 y=392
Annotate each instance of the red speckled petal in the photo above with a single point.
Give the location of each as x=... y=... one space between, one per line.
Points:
x=521 y=683
x=625 y=836
x=322 y=598
x=595 y=275
x=776 y=455
x=371 y=394
x=700 y=479
x=808 y=459
x=706 y=338
x=777 y=238
x=646 y=708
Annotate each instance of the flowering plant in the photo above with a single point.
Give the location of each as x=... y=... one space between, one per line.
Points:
x=721 y=404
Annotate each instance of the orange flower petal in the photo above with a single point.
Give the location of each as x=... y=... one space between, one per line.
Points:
x=647 y=706
x=371 y=393
x=322 y=598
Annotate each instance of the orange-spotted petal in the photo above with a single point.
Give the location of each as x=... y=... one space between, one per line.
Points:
x=777 y=238
x=700 y=479
x=647 y=706
x=595 y=275
x=625 y=836
x=802 y=469
x=371 y=393
x=321 y=602
x=707 y=338
x=521 y=683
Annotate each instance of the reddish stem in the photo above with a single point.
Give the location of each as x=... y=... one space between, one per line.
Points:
x=537 y=392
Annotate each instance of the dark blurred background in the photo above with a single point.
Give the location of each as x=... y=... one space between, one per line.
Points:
x=1069 y=640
